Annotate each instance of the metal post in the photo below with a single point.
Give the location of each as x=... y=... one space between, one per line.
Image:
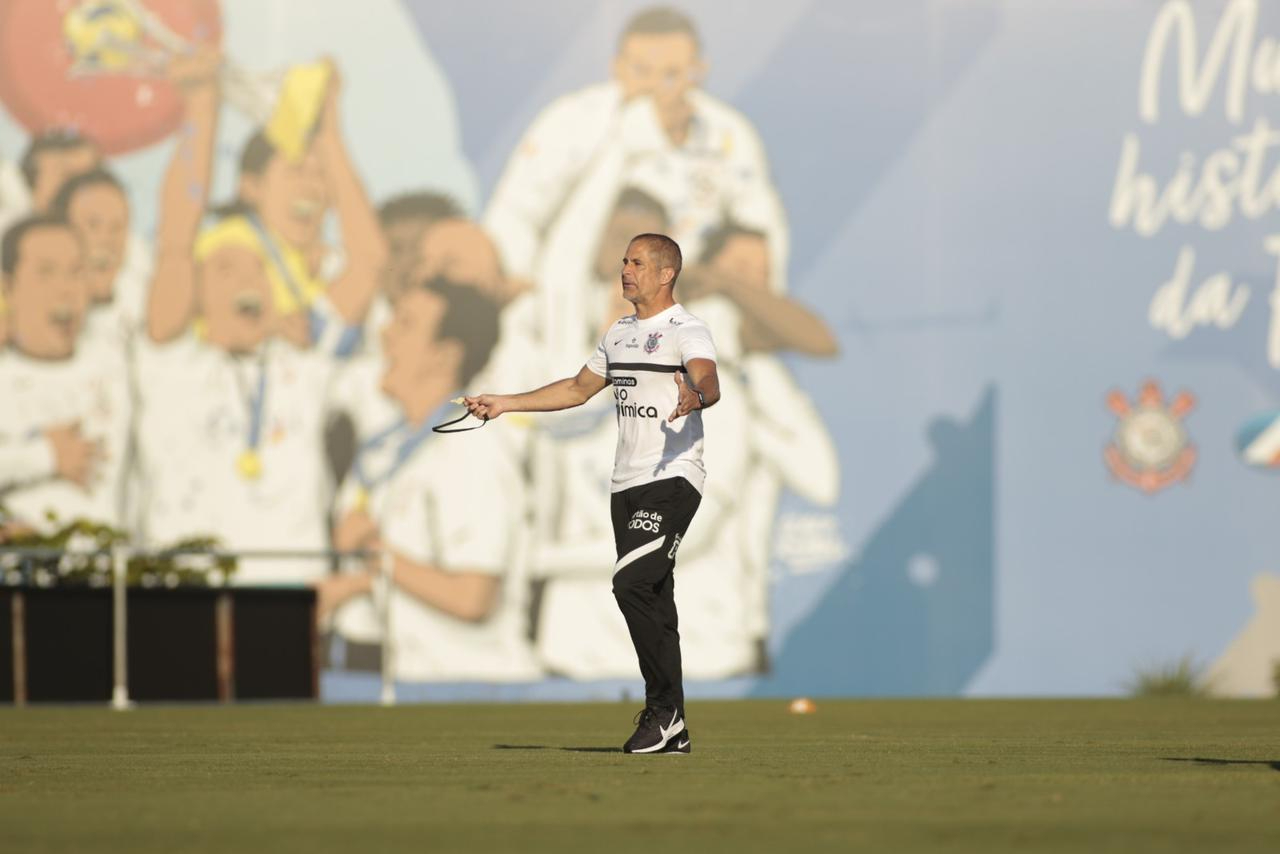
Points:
x=224 y=645
x=388 y=568
x=119 y=622
x=18 y=613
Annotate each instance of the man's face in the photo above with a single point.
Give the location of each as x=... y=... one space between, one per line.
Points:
x=100 y=215
x=412 y=352
x=404 y=241
x=663 y=66
x=642 y=278
x=235 y=298
x=47 y=294
x=55 y=167
x=460 y=251
x=624 y=224
x=291 y=198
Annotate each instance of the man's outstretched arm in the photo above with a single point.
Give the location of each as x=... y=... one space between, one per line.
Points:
x=561 y=394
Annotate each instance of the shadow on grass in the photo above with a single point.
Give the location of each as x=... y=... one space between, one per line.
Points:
x=549 y=747
x=1273 y=764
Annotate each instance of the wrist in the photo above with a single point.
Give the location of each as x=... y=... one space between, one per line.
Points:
x=329 y=135
x=357 y=584
x=200 y=96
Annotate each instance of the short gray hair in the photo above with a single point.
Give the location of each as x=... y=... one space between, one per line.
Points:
x=666 y=250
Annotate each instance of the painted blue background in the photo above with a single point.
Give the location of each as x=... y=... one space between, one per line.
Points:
x=947 y=169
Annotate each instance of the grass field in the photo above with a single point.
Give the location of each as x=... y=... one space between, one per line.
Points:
x=876 y=776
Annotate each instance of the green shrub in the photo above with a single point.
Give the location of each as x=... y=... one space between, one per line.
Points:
x=1181 y=678
x=83 y=556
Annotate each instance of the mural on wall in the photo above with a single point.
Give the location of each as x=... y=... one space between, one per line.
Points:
x=262 y=368
x=971 y=299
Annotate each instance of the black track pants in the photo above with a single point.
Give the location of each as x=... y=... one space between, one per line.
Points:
x=648 y=522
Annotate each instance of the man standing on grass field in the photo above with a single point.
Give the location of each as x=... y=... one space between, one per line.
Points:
x=657 y=472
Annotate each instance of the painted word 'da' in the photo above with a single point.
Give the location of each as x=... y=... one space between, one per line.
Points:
x=1176 y=309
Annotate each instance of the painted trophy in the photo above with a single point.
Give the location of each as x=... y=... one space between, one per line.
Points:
x=97 y=67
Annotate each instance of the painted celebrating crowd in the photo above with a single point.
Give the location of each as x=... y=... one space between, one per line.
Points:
x=266 y=368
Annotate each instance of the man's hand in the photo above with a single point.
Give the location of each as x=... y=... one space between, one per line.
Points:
x=334 y=590
x=461 y=251
x=356 y=531
x=76 y=458
x=486 y=406
x=675 y=117
x=508 y=289
x=700 y=280
x=688 y=401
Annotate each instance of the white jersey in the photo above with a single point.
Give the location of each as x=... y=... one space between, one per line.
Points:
x=1247 y=667
x=201 y=410
x=40 y=394
x=580 y=639
x=457 y=506
x=719 y=171
x=640 y=359
x=114 y=324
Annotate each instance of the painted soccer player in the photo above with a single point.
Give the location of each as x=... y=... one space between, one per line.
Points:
x=659 y=360
x=64 y=416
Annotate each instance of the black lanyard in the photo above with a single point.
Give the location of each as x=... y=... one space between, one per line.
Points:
x=443 y=428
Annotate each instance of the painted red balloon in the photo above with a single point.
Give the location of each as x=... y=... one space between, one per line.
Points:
x=120 y=111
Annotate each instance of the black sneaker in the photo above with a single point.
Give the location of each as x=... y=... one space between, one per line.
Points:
x=678 y=743
x=655 y=728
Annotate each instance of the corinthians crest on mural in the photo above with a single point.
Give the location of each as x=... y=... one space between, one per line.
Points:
x=1149 y=449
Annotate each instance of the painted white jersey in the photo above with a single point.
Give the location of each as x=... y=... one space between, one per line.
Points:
x=720 y=171
x=1247 y=667
x=114 y=324
x=641 y=358
x=38 y=395
x=457 y=506
x=197 y=414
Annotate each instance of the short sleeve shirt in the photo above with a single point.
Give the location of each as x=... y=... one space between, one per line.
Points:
x=458 y=512
x=641 y=359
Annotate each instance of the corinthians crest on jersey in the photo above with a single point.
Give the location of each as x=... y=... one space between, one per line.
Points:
x=640 y=359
